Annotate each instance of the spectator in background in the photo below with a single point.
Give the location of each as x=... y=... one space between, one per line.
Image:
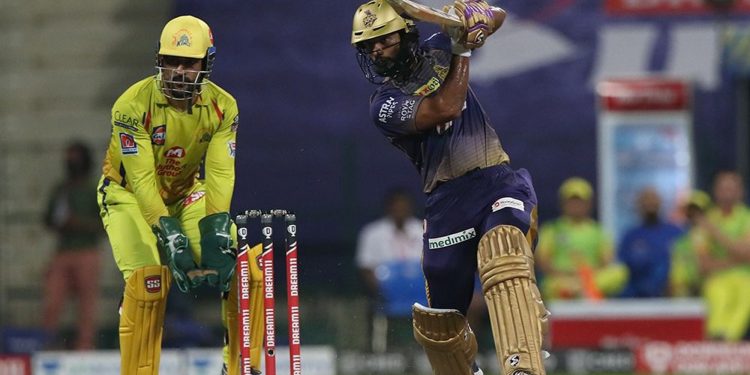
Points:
x=72 y=213
x=394 y=239
x=397 y=236
x=684 y=275
x=646 y=249
x=574 y=253
x=724 y=256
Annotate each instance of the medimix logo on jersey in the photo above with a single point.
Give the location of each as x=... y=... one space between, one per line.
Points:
x=452 y=239
x=175 y=152
x=387 y=109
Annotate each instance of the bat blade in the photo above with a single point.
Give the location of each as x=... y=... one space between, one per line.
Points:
x=421 y=12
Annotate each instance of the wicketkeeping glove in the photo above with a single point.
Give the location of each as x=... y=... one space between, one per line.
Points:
x=478 y=20
x=216 y=249
x=173 y=244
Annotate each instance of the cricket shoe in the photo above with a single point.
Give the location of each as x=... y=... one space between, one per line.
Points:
x=545 y=355
x=476 y=370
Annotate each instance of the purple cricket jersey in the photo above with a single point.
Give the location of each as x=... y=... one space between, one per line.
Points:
x=450 y=150
x=470 y=185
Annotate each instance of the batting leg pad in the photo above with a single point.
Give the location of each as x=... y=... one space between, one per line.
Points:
x=447 y=339
x=517 y=313
x=142 y=319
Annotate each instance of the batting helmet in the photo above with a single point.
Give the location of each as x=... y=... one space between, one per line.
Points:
x=377 y=18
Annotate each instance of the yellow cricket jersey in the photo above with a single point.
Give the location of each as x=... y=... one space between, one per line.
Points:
x=156 y=150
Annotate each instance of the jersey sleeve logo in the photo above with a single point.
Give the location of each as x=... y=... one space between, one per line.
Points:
x=428 y=88
x=507 y=202
x=128 y=145
x=232 y=146
x=387 y=109
x=407 y=109
x=125 y=121
x=159 y=135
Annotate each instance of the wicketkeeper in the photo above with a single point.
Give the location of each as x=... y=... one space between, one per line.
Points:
x=480 y=212
x=166 y=222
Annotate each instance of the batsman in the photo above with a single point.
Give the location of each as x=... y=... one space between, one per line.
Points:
x=480 y=212
x=167 y=218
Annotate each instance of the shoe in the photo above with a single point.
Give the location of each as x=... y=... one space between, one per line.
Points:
x=476 y=370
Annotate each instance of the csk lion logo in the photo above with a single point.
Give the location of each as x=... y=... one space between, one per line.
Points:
x=183 y=41
x=182 y=38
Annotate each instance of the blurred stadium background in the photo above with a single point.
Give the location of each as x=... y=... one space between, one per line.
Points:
x=306 y=142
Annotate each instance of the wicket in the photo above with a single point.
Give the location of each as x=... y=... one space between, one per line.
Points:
x=292 y=290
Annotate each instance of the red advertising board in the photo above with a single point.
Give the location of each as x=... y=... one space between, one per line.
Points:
x=624 y=323
x=693 y=358
x=15 y=365
x=668 y=7
x=644 y=95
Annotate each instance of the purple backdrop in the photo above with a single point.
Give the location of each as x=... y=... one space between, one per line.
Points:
x=305 y=140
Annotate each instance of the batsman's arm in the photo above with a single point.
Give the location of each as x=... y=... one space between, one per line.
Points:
x=445 y=104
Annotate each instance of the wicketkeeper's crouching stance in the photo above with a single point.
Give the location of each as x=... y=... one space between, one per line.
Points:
x=480 y=213
x=164 y=223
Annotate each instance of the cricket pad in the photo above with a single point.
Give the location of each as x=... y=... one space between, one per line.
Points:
x=447 y=339
x=142 y=319
x=517 y=313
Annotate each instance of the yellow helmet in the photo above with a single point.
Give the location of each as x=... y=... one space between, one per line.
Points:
x=186 y=36
x=377 y=18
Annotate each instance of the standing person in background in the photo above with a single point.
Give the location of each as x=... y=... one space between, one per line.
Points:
x=395 y=237
x=684 y=276
x=164 y=222
x=575 y=253
x=393 y=242
x=724 y=258
x=73 y=215
x=480 y=213
x=646 y=249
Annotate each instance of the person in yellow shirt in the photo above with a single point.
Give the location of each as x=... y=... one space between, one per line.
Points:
x=684 y=273
x=574 y=253
x=723 y=253
x=166 y=220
